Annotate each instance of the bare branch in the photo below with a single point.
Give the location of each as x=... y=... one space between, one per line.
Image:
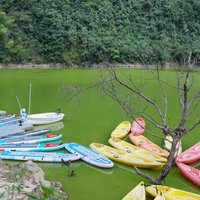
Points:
x=170 y=161
x=150 y=118
x=194 y=125
x=109 y=89
x=113 y=82
x=194 y=107
x=179 y=87
x=157 y=76
x=77 y=91
x=197 y=96
x=152 y=180
x=129 y=110
x=185 y=98
x=137 y=92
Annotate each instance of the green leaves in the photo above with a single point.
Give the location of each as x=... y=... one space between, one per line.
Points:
x=3 y=26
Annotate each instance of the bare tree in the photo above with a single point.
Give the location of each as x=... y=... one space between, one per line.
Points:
x=123 y=88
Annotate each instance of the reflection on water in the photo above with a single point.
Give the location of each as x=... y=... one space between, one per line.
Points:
x=125 y=167
x=108 y=171
x=196 y=164
x=68 y=92
x=76 y=164
x=53 y=126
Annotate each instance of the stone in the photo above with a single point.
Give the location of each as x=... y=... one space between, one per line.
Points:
x=26 y=180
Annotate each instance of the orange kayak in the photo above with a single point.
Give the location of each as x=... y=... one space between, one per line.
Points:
x=146 y=144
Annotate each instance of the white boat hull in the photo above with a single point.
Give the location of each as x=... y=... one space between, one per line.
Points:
x=44 y=118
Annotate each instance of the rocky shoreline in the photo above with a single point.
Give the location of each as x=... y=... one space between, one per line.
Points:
x=83 y=65
x=169 y=66
x=25 y=181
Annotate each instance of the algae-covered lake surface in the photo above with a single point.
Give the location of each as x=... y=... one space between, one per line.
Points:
x=90 y=117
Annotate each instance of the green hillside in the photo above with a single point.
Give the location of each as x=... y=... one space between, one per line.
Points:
x=94 y=31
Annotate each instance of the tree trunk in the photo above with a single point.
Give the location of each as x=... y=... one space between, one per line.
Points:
x=166 y=169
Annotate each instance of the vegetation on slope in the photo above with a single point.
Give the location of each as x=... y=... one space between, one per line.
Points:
x=94 y=31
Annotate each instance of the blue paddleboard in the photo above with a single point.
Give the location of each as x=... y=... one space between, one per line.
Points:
x=31 y=147
x=26 y=133
x=89 y=155
x=6 y=118
x=31 y=139
x=14 y=120
x=39 y=156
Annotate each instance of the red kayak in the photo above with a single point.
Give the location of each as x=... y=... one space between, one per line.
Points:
x=190 y=173
x=190 y=155
x=138 y=126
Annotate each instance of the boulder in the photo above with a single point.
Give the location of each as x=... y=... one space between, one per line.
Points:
x=25 y=181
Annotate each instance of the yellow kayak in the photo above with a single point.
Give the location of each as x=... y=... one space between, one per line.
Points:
x=172 y=193
x=146 y=144
x=137 y=193
x=134 y=150
x=168 y=145
x=121 y=130
x=125 y=158
x=160 y=197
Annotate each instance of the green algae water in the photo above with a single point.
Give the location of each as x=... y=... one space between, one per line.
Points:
x=89 y=117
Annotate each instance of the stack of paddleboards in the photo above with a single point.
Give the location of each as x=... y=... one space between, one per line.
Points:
x=34 y=146
x=30 y=141
x=37 y=152
x=6 y=117
x=10 y=124
x=10 y=119
x=31 y=145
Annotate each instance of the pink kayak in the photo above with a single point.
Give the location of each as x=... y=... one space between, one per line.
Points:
x=190 y=173
x=190 y=155
x=138 y=126
x=146 y=144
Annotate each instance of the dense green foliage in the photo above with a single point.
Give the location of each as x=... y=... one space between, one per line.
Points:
x=5 y=43
x=93 y=31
